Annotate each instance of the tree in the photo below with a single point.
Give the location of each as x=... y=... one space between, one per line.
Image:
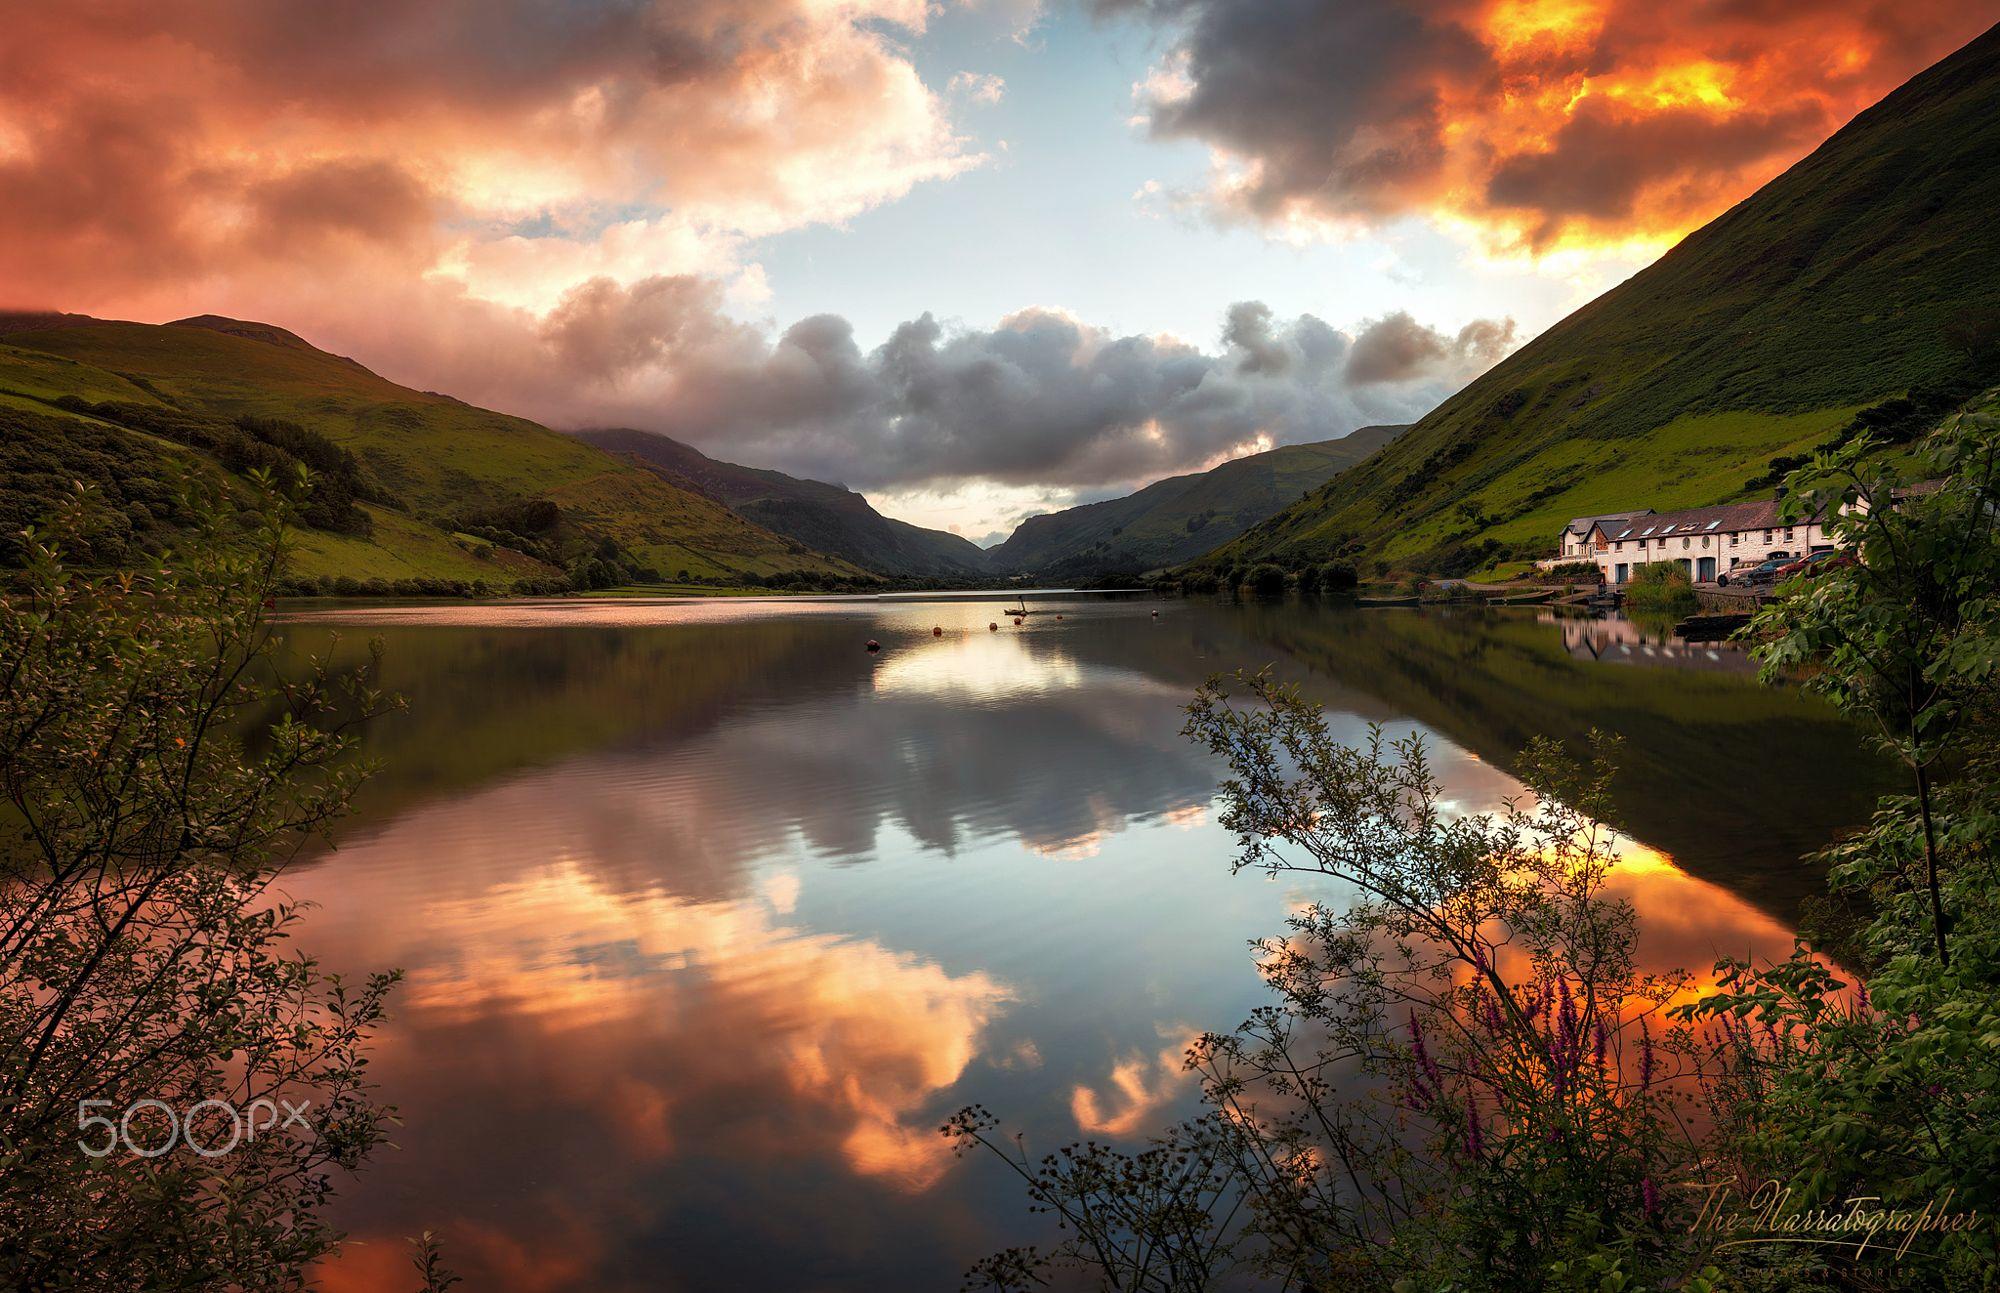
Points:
x=1880 y=1077
x=1463 y=1080
x=177 y=1082
x=1909 y=635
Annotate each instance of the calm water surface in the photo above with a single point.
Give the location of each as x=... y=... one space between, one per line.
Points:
x=710 y=917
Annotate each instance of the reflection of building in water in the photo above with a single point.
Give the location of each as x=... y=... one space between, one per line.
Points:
x=1620 y=641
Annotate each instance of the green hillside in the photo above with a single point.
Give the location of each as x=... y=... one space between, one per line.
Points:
x=412 y=484
x=826 y=518
x=1181 y=517
x=1865 y=274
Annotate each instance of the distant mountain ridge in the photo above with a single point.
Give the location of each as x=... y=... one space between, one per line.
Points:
x=1181 y=517
x=826 y=518
x=414 y=485
x=1855 y=289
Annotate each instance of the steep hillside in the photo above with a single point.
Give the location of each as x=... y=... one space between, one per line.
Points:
x=1180 y=517
x=413 y=484
x=826 y=518
x=1865 y=273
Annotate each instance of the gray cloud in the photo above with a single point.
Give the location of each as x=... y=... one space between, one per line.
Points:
x=1041 y=399
x=1339 y=103
x=1396 y=348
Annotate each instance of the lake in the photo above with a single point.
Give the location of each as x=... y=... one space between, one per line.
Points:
x=710 y=916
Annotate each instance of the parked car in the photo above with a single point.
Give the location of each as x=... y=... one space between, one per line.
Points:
x=1764 y=574
x=1815 y=565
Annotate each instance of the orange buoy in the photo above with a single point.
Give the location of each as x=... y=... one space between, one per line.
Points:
x=1017 y=624
x=873 y=645
x=1156 y=615
x=992 y=627
x=1058 y=617
x=937 y=632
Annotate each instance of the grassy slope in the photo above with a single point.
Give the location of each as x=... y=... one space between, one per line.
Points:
x=435 y=455
x=1829 y=289
x=1182 y=516
x=826 y=518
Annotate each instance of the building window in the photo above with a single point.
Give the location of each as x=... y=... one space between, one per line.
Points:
x=1684 y=541
x=1788 y=534
x=1704 y=540
x=1767 y=536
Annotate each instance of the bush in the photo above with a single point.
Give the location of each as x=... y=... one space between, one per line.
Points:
x=1338 y=577
x=146 y=962
x=1580 y=571
x=1266 y=580
x=1501 y=1103
x=1660 y=585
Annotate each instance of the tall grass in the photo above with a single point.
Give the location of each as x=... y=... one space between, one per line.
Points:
x=1660 y=586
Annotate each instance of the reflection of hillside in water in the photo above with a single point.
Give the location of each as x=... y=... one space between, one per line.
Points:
x=623 y=866
x=1058 y=732
x=726 y=740
x=1734 y=780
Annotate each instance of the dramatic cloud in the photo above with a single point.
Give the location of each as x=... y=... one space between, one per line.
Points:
x=1542 y=122
x=1041 y=399
x=514 y=147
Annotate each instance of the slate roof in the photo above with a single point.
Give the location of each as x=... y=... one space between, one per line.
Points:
x=1582 y=524
x=1723 y=519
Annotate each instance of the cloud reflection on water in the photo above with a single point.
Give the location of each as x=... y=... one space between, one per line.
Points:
x=708 y=924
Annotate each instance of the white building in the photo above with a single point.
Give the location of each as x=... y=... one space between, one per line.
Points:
x=1575 y=544
x=1706 y=541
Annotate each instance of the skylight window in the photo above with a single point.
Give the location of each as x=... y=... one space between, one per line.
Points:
x=1711 y=525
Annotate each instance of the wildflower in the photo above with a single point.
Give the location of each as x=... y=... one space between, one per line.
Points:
x=1424 y=1061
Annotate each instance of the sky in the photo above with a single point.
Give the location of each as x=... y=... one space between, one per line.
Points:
x=976 y=258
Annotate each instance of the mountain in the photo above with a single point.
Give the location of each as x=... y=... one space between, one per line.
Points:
x=1853 y=290
x=412 y=484
x=826 y=518
x=1181 y=517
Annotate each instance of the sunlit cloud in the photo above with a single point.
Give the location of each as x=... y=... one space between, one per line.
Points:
x=556 y=945
x=1537 y=126
x=1138 y=1088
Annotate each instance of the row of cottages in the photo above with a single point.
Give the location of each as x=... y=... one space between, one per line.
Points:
x=1705 y=541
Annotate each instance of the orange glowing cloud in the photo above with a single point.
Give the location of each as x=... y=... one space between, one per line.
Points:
x=508 y=150
x=1141 y=1087
x=861 y=1033
x=1536 y=125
